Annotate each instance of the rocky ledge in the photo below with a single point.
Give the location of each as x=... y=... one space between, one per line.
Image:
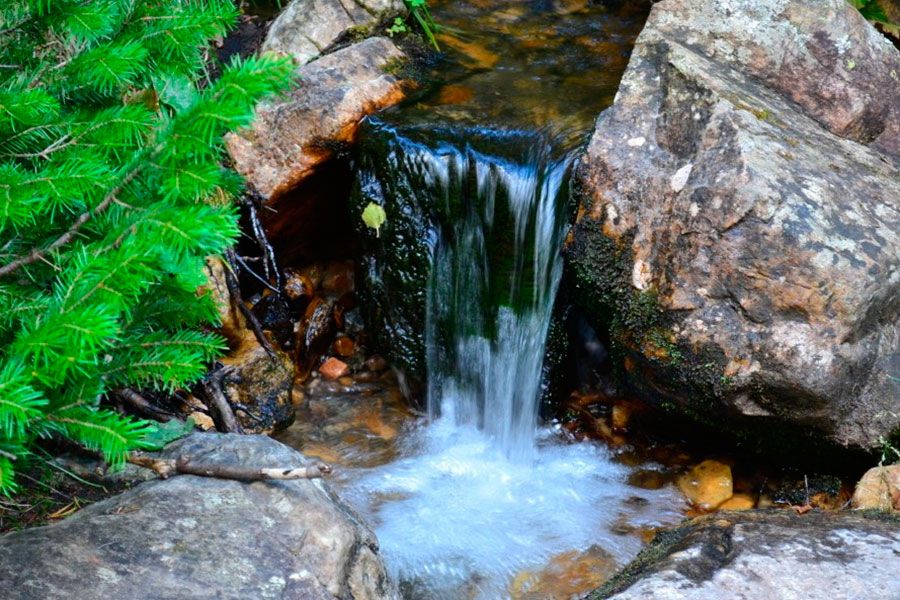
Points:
x=774 y=554
x=198 y=537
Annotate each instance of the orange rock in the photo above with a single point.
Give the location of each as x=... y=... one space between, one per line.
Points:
x=334 y=369
x=707 y=485
x=738 y=502
x=344 y=346
x=569 y=574
x=454 y=94
x=620 y=416
x=878 y=489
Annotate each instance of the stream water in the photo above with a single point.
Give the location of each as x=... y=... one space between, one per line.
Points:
x=480 y=499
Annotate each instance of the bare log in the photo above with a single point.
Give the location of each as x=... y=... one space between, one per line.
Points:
x=166 y=468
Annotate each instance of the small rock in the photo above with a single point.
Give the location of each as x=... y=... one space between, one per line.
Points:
x=620 y=416
x=334 y=369
x=878 y=489
x=376 y=364
x=298 y=286
x=738 y=502
x=568 y=575
x=708 y=484
x=344 y=346
x=649 y=479
x=202 y=420
x=339 y=278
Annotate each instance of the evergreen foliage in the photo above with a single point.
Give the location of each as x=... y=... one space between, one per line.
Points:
x=112 y=193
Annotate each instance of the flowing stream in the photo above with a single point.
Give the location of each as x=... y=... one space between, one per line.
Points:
x=481 y=500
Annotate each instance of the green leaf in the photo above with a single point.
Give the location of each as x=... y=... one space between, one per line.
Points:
x=166 y=433
x=176 y=91
x=374 y=217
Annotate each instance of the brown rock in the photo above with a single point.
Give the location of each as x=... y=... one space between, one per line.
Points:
x=746 y=181
x=202 y=420
x=298 y=286
x=344 y=346
x=334 y=369
x=232 y=325
x=707 y=485
x=314 y=332
x=339 y=278
x=259 y=387
x=620 y=416
x=878 y=489
x=290 y=138
x=376 y=364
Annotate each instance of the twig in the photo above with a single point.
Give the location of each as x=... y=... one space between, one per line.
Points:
x=213 y=388
x=234 y=291
x=260 y=234
x=142 y=405
x=166 y=468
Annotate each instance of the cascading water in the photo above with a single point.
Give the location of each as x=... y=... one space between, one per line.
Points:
x=481 y=492
x=493 y=281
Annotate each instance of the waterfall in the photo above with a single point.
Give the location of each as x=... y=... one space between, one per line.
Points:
x=496 y=204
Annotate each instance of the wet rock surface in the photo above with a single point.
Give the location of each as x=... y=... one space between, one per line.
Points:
x=306 y=29
x=767 y=554
x=291 y=137
x=189 y=537
x=739 y=228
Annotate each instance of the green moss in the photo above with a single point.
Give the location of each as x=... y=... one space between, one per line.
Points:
x=659 y=548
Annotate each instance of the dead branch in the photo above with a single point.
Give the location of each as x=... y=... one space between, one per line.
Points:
x=234 y=291
x=259 y=233
x=213 y=388
x=166 y=468
x=142 y=405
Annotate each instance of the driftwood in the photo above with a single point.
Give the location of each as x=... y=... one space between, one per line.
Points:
x=166 y=468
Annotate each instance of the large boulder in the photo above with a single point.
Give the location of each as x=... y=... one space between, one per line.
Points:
x=740 y=222
x=292 y=136
x=777 y=555
x=306 y=29
x=198 y=537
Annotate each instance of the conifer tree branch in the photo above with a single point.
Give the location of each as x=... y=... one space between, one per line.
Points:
x=39 y=253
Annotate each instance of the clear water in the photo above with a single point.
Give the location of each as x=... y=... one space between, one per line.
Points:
x=456 y=518
x=480 y=493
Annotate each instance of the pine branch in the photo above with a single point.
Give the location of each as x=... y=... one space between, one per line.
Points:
x=39 y=253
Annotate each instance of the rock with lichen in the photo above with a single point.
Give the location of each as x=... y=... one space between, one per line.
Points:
x=739 y=229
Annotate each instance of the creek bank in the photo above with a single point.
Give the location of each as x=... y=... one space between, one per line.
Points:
x=767 y=554
x=198 y=537
x=739 y=219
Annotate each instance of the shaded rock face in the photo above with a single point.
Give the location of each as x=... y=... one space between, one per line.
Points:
x=739 y=225
x=195 y=537
x=290 y=138
x=307 y=28
x=772 y=554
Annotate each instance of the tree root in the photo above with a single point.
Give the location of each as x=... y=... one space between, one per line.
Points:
x=166 y=468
